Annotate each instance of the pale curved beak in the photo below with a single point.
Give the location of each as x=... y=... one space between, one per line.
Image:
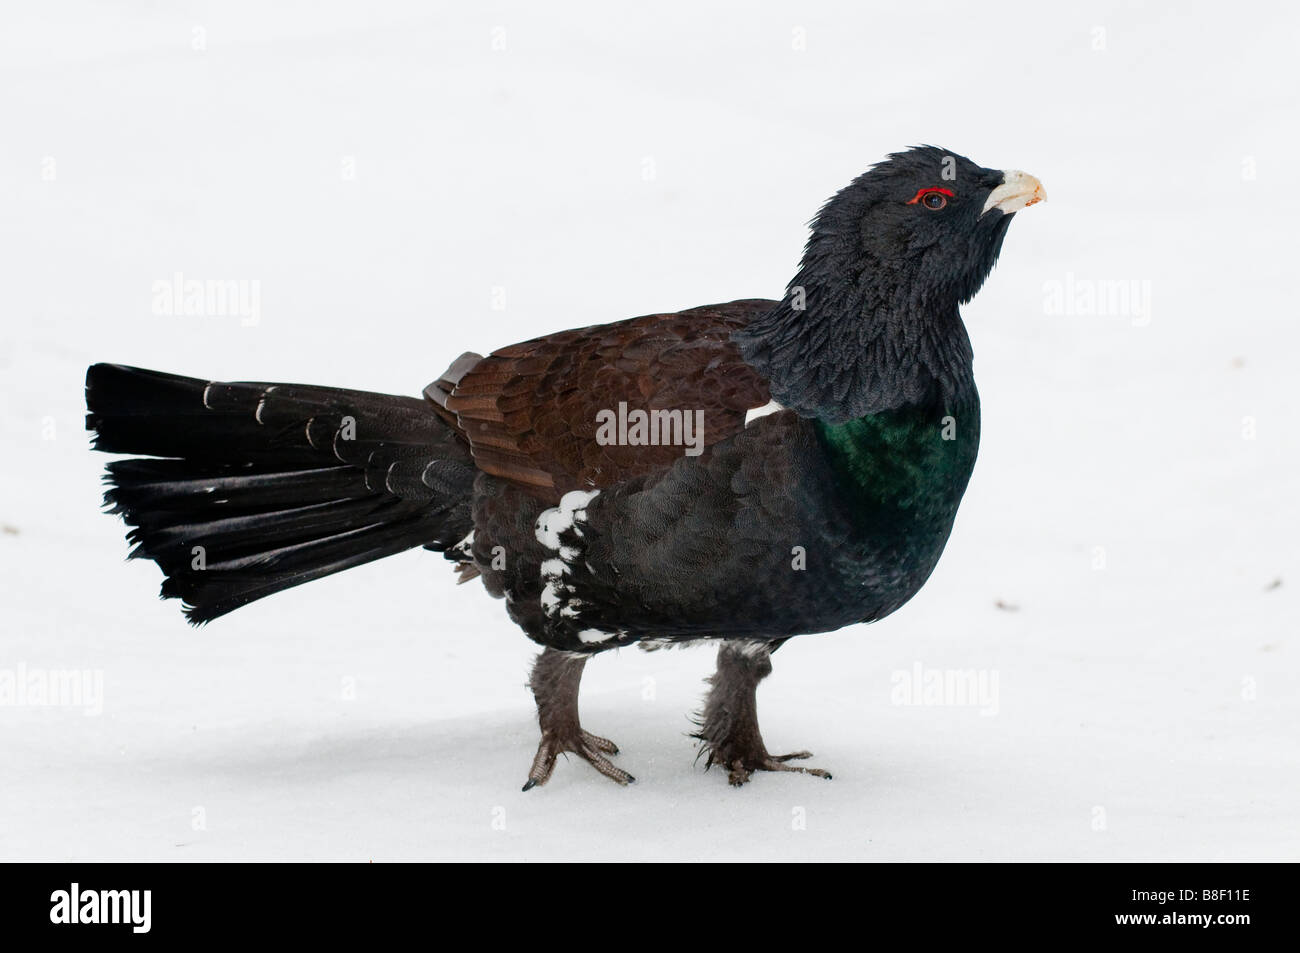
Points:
x=1018 y=190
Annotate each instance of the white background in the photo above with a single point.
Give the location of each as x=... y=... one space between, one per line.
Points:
x=1146 y=710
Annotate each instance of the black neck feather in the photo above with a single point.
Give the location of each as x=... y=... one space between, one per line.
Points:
x=848 y=354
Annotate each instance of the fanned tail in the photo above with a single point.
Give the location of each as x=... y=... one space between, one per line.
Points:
x=254 y=488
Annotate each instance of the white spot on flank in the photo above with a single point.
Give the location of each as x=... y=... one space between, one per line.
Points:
x=550 y=599
x=560 y=519
x=554 y=592
x=465 y=547
x=595 y=635
x=554 y=568
x=557 y=597
x=771 y=407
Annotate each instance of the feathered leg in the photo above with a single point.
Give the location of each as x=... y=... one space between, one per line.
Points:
x=729 y=723
x=555 y=679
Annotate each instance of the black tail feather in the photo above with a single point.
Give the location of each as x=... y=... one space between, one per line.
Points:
x=254 y=488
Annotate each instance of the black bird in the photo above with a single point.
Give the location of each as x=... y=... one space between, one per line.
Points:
x=745 y=472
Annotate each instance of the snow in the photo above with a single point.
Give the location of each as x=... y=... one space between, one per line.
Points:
x=401 y=192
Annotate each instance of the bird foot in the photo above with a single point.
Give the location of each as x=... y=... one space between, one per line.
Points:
x=740 y=770
x=590 y=748
x=729 y=732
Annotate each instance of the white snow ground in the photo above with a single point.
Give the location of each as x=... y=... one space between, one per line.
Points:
x=380 y=169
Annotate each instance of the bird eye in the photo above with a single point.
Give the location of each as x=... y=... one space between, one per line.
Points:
x=933 y=199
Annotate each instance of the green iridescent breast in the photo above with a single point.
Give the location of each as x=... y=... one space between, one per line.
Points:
x=904 y=468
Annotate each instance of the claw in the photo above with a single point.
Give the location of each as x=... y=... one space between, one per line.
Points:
x=599 y=743
x=739 y=771
x=795 y=756
x=587 y=746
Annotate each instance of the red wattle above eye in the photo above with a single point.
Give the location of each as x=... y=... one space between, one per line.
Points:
x=921 y=193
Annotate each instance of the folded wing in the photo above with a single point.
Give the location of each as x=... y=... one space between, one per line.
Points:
x=532 y=411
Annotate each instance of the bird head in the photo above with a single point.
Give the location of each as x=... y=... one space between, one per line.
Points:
x=924 y=226
x=871 y=319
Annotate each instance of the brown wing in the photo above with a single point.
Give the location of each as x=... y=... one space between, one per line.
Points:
x=531 y=411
